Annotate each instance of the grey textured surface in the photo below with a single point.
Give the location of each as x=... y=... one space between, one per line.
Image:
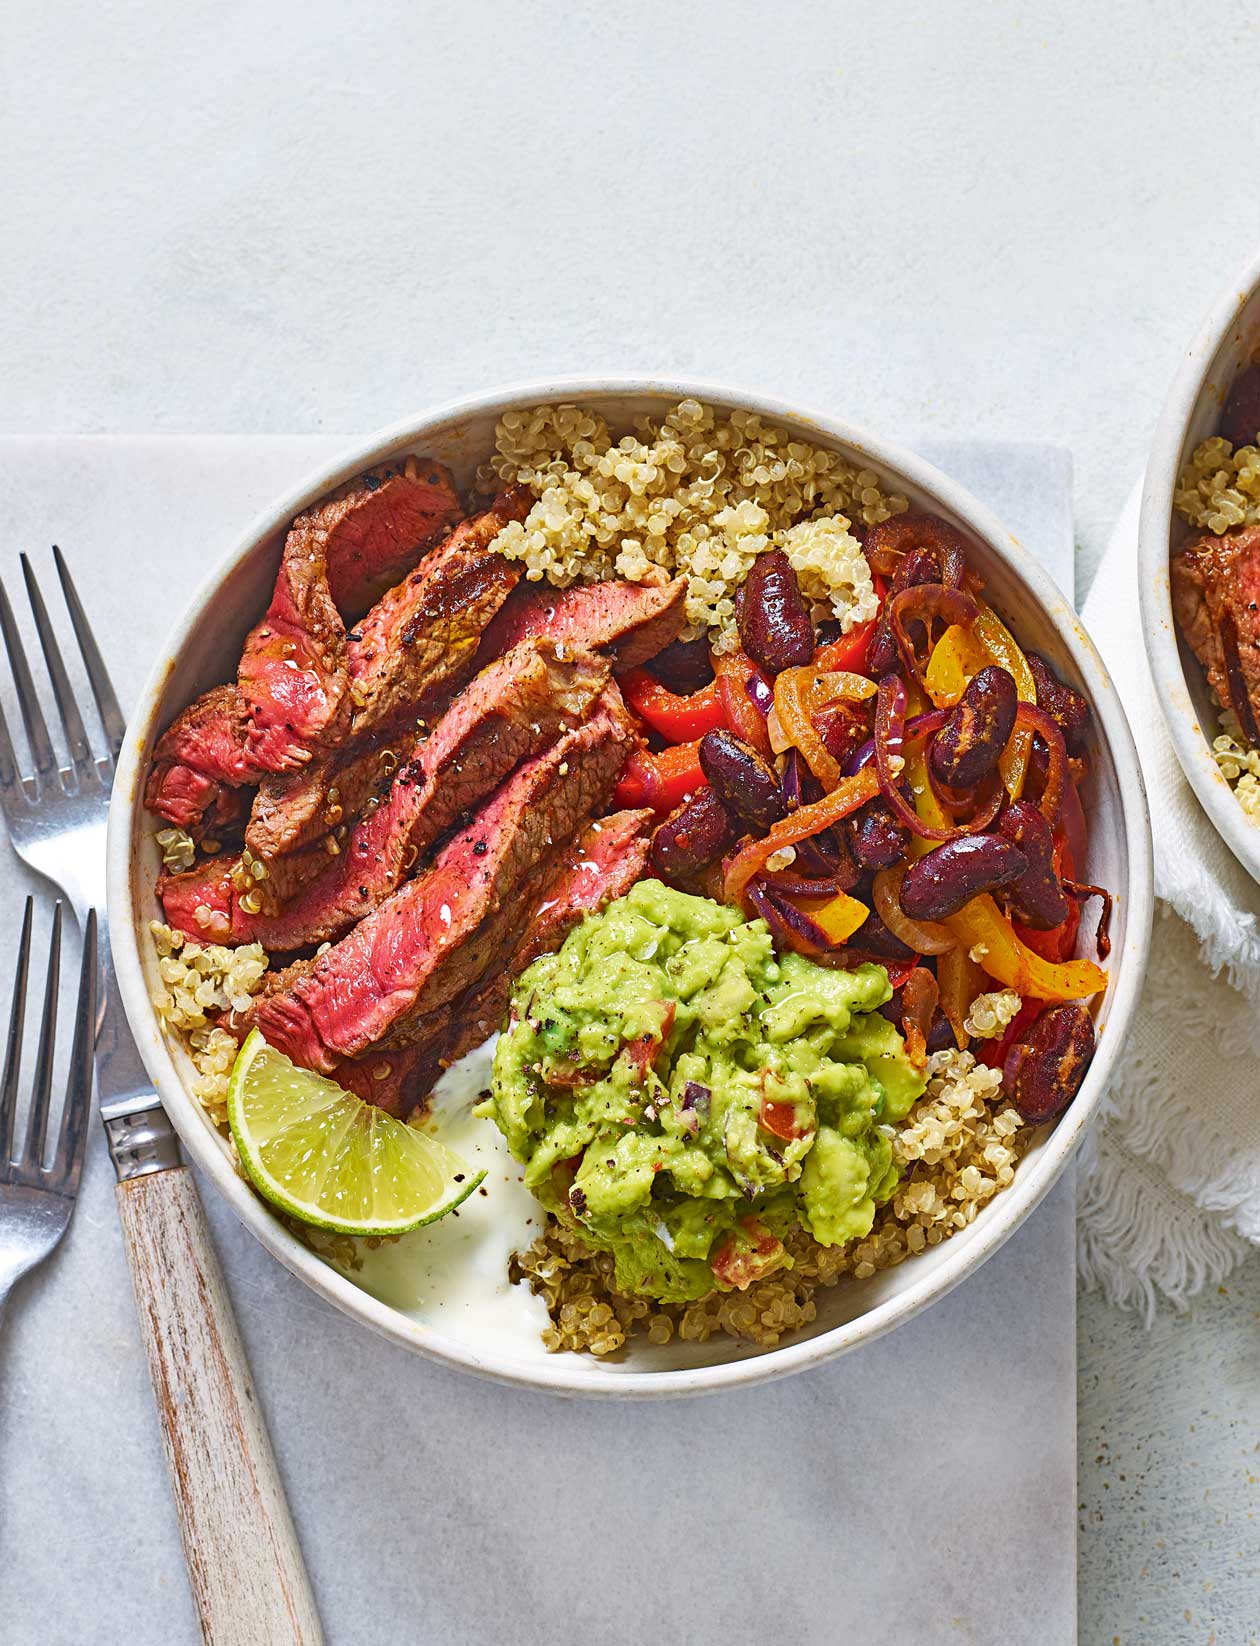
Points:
x=989 y=220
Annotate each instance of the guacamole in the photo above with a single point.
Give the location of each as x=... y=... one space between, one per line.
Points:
x=682 y=1096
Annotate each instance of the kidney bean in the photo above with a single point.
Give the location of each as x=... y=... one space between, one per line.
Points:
x=917 y=565
x=1036 y=899
x=841 y=731
x=741 y=779
x=943 y=880
x=941 y=1036
x=684 y=666
x=691 y=838
x=873 y=937
x=774 y=623
x=876 y=839
x=976 y=730
x=1061 y=702
x=1044 y=1070
x=1240 y=421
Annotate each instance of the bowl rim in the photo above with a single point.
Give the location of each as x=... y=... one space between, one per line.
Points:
x=1191 y=742
x=571 y=1374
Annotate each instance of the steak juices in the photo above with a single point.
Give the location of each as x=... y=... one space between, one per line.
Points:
x=705 y=654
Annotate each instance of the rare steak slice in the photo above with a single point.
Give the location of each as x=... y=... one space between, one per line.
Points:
x=415 y=647
x=515 y=708
x=199 y=760
x=424 y=633
x=439 y=932
x=293 y=675
x=631 y=621
x=602 y=864
x=1216 y=598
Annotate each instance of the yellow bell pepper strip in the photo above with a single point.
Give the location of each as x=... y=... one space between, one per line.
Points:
x=1001 y=646
x=838 y=916
x=985 y=933
x=956 y=658
x=848 y=795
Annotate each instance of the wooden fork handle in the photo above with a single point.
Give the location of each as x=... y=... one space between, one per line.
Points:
x=244 y=1563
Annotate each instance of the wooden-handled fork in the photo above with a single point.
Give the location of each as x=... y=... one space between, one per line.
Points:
x=244 y=1562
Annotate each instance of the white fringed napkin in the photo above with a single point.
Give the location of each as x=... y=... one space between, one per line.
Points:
x=1169 y=1187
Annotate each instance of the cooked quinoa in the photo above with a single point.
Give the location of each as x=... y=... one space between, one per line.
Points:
x=689 y=493
x=958 y=1147
x=990 y=1013
x=198 y=981
x=1220 y=486
x=1240 y=767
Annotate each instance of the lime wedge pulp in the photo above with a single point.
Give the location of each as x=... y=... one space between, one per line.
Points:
x=328 y=1158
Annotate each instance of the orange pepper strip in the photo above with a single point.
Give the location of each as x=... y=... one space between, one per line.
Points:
x=733 y=671
x=980 y=926
x=849 y=794
x=793 y=699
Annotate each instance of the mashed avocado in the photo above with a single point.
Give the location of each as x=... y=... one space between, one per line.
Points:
x=682 y=1096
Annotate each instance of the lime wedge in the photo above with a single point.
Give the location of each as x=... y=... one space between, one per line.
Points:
x=328 y=1158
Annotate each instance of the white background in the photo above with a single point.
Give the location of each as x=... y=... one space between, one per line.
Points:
x=985 y=219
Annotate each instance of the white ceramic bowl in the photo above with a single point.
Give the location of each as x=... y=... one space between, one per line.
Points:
x=1225 y=343
x=204 y=649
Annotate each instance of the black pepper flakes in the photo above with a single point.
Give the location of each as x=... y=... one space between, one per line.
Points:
x=480 y=848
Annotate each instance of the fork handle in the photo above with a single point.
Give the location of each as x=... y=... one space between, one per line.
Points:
x=244 y=1563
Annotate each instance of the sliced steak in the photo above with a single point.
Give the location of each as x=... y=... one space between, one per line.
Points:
x=1216 y=599
x=437 y=934
x=602 y=864
x=632 y=621
x=514 y=709
x=425 y=632
x=199 y=759
x=377 y=533
x=415 y=647
x=293 y=676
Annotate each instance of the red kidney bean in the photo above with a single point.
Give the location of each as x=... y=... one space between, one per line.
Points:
x=1044 y=1070
x=1036 y=899
x=684 y=666
x=943 y=880
x=841 y=731
x=741 y=779
x=968 y=746
x=873 y=937
x=691 y=838
x=876 y=839
x=941 y=1037
x=1240 y=421
x=774 y=623
x=1061 y=702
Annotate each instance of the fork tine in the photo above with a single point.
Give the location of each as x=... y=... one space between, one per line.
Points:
x=9 y=774
x=32 y=715
x=112 y=721
x=68 y=1161
x=13 y=1050
x=67 y=708
x=41 y=1093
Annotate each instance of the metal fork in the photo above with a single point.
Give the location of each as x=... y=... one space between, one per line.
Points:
x=57 y=818
x=244 y=1562
x=37 y=1192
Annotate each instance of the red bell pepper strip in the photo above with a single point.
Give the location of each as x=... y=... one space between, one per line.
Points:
x=678 y=719
x=734 y=671
x=661 y=781
x=993 y=1052
x=849 y=652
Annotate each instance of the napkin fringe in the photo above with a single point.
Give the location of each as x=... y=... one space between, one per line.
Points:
x=1138 y=1238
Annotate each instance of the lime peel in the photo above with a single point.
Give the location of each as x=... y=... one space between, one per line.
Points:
x=327 y=1158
